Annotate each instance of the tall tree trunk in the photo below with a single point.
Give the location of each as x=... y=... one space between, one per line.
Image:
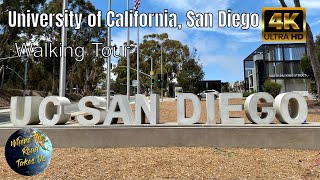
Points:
x=312 y=50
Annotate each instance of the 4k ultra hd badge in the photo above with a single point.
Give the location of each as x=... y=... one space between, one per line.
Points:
x=28 y=151
x=284 y=24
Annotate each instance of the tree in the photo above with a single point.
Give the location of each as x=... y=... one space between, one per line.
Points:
x=83 y=74
x=307 y=69
x=271 y=87
x=10 y=35
x=44 y=70
x=174 y=53
x=312 y=52
x=226 y=87
x=190 y=75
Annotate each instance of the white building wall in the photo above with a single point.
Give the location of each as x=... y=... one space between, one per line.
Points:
x=298 y=85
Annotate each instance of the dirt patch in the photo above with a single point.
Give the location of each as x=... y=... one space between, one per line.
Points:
x=175 y=163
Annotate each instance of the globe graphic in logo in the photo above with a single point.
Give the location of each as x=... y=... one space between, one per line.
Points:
x=28 y=151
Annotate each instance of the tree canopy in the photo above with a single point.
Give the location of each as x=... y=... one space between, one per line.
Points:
x=178 y=63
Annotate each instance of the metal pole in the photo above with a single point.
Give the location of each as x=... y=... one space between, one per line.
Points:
x=25 y=78
x=108 y=61
x=2 y=80
x=62 y=80
x=161 y=74
x=151 y=75
x=138 y=61
x=128 y=58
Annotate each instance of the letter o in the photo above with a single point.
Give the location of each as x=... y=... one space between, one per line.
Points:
x=92 y=20
x=299 y=108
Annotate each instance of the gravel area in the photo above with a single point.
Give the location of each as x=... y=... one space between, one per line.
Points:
x=179 y=163
x=176 y=163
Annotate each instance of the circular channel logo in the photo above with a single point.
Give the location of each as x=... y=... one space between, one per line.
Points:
x=28 y=151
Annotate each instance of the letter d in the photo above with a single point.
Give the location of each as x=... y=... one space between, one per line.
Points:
x=181 y=111
x=222 y=19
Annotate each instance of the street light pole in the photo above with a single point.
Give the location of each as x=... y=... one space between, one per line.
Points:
x=108 y=61
x=128 y=58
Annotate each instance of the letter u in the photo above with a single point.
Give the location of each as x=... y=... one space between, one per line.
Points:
x=24 y=110
x=12 y=18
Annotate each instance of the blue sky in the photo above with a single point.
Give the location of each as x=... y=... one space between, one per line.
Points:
x=221 y=50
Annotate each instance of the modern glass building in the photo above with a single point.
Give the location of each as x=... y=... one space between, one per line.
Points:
x=279 y=63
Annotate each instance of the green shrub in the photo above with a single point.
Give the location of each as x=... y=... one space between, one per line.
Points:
x=272 y=87
x=313 y=90
x=247 y=94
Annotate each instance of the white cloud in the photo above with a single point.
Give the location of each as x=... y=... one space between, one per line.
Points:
x=197 y=6
x=230 y=64
x=309 y=4
x=315 y=23
x=238 y=35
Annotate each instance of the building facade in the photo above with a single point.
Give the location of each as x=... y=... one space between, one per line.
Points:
x=279 y=63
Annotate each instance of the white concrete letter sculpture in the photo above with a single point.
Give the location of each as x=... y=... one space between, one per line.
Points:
x=96 y=107
x=290 y=108
x=119 y=108
x=143 y=109
x=181 y=111
x=250 y=107
x=48 y=111
x=225 y=108
x=211 y=115
x=299 y=108
x=25 y=110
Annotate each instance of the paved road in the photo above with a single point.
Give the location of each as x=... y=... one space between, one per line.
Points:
x=4 y=117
